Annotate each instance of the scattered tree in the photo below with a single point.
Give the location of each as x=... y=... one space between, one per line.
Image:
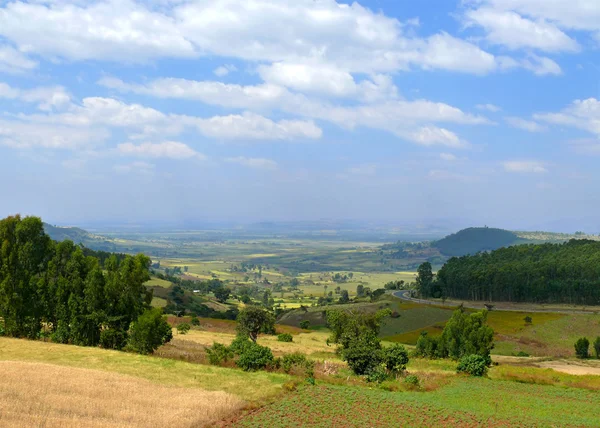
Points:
x=253 y=320
x=582 y=348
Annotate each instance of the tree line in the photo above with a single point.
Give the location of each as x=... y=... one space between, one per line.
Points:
x=540 y=273
x=55 y=290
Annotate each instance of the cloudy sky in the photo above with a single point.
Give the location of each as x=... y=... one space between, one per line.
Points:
x=177 y=110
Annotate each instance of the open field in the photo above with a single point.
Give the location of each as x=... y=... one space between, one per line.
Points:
x=248 y=386
x=35 y=394
x=465 y=402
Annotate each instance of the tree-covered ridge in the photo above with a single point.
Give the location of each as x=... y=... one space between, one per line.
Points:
x=56 y=290
x=541 y=273
x=475 y=239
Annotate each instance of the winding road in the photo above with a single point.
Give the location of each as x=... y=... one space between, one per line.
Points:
x=498 y=306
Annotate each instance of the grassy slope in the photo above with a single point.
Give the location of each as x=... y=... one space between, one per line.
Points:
x=249 y=386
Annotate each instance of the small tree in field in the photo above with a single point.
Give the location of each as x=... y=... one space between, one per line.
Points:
x=253 y=320
x=597 y=347
x=305 y=324
x=149 y=332
x=183 y=328
x=582 y=347
x=528 y=320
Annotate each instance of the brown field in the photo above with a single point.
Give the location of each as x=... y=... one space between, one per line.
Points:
x=36 y=394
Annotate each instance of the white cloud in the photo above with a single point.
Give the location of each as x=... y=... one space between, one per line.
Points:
x=354 y=38
x=527 y=125
x=574 y=14
x=448 y=157
x=431 y=136
x=224 y=70
x=510 y=29
x=253 y=126
x=114 y=30
x=47 y=98
x=167 y=149
x=24 y=135
x=581 y=114
x=13 y=61
x=541 y=66
x=256 y=163
x=535 y=167
x=488 y=107
x=209 y=92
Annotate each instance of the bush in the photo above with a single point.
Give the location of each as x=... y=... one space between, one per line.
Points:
x=219 y=354
x=254 y=357
x=528 y=320
x=473 y=364
x=522 y=354
x=362 y=354
x=412 y=380
x=298 y=361
x=285 y=337
x=597 y=347
x=195 y=321
x=183 y=328
x=239 y=344
x=395 y=358
x=377 y=374
x=149 y=332
x=305 y=325
x=582 y=347
x=112 y=339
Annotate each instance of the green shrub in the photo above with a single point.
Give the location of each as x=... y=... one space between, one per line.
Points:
x=362 y=354
x=61 y=334
x=305 y=325
x=528 y=320
x=195 y=321
x=149 y=332
x=254 y=357
x=395 y=358
x=377 y=374
x=298 y=361
x=112 y=339
x=240 y=343
x=582 y=347
x=412 y=380
x=427 y=346
x=473 y=364
x=522 y=354
x=183 y=328
x=219 y=354
x=597 y=347
x=285 y=337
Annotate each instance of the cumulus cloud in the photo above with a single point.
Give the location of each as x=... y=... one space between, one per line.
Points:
x=167 y=149
x=520 y=166
x=224 y=70
x=510 y=29
x=256 y=163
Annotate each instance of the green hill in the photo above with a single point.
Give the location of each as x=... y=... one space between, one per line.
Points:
x=474 y=240
x=80 y=236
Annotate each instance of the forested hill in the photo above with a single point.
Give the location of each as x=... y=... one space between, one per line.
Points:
x=474 y=240
x=541 y=273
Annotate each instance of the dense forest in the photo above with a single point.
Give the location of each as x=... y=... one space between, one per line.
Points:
x=66 y=292
x=541 y=273
x=475 y=239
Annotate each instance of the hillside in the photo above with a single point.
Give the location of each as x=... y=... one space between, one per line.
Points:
x=474 y=240
x=79 y=236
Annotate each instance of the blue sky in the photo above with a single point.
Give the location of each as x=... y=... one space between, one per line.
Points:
x=170 y=111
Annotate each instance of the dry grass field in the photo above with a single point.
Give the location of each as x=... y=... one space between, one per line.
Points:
x=36 y=394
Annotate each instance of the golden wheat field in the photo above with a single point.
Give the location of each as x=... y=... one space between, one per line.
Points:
x=45 y=395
